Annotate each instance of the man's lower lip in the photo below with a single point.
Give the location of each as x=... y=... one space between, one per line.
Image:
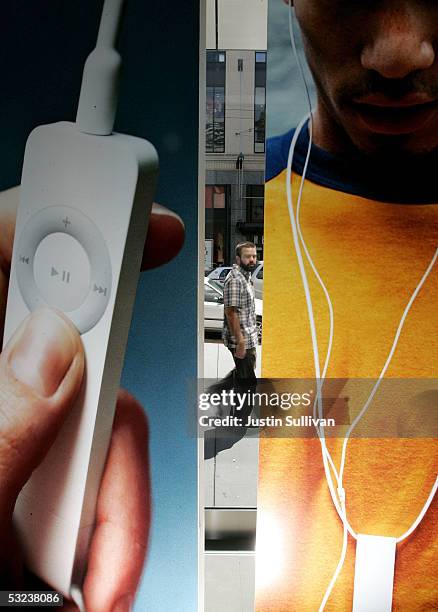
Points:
x=395 y=120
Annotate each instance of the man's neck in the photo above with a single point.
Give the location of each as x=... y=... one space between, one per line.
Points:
x=390 y=178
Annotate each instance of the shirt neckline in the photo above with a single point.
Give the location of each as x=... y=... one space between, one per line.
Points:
x=411 y=182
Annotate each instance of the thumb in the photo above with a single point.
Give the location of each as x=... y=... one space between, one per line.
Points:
x=41 y=371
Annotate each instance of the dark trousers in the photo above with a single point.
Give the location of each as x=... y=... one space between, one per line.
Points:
x=242 y=380
x=243 y=373
x=245 y=368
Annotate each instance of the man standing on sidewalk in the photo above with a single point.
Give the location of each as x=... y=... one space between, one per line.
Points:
x=240 y=327
x=240 y=336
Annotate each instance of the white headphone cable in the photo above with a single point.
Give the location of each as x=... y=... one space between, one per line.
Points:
x=385 y=367
x=309 y=258
x=296 y=229
x=338 y=497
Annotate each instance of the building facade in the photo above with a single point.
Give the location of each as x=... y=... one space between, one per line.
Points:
x=235 y=129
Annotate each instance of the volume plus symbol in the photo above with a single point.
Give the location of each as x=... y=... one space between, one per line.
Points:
x=66 y=222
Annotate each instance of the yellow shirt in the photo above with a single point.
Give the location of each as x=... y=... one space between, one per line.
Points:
x=371 y=256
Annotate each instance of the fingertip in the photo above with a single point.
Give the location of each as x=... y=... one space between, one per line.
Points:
x=159 y=210
x=165 y=237
x=41 y=352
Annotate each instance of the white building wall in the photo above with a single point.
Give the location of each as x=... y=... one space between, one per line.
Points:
x=211 y=24
x=242 y=24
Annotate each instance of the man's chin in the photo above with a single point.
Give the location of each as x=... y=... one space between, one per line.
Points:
x=410 y=120
x=378 y=136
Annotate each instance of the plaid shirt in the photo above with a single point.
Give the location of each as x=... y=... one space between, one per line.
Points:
x=239 y=292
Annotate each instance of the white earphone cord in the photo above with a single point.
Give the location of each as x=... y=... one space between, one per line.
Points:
x=338 y=497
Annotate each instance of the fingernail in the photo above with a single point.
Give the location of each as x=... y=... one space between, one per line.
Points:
x=124 y=604
x=159 y=209
x=44 y=352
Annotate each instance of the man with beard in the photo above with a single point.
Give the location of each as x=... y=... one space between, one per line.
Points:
x=240 y=327
x=369 y=219
x=239 y=334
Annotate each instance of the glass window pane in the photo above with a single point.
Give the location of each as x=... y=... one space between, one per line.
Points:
x=211 y=295
x=259 y=102
x=215 y=102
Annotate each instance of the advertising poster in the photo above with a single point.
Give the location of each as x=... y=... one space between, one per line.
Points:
x=147 y=553
x=347 y=517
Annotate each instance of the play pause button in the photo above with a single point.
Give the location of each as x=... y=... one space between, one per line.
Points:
x=65 y=265
x=65 y=278
x=62 y=271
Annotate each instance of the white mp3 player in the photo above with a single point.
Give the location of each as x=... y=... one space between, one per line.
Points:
x=86 y=194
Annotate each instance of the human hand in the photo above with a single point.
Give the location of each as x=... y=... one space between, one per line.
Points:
x=41 y=372
x=240 y=349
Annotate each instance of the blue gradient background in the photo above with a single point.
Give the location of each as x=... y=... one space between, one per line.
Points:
x=43 y=45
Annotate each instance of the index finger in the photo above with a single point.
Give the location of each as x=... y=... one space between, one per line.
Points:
x=119 y=543
x=8 y=209
x=164 y=239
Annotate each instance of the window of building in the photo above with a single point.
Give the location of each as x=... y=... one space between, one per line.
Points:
x=216 y=221
x=259 y=102
x=215 y=102
x=255 y=203
x=253 y=227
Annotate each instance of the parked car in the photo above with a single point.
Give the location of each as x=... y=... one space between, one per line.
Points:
x=220 y=273
x=213 y=305
x=214 y=308
x=257 y=279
